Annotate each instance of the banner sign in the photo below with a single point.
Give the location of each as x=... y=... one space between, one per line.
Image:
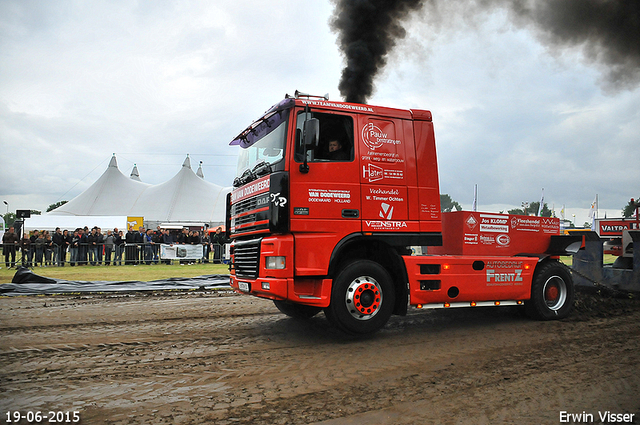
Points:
x=614 y=227
x=135 y=222
x=181 y=252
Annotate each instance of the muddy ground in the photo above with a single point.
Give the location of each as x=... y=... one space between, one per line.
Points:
x=217 y=357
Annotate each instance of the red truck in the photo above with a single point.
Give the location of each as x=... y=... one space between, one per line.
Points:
x=331 y=200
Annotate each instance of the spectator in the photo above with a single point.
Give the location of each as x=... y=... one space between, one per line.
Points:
x=109 y=243
x=66 y=240
x=119 y=246
x=140 y=237
x=218 y=240
x=39 y=243
x=182 y=239
x=48 y=250
x=167 y=238
x=83 y=247
x=73 y=248
x=93 y=246
x=25 y=247
x=148 y=247
x=206 y=246
x=195 y=239
x=57 y=239
x=157 y=239
x=99 y=245
x=32 y=252
x=130 y=248
x=10 y=244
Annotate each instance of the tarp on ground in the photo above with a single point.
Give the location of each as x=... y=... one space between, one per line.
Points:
x=25 y=282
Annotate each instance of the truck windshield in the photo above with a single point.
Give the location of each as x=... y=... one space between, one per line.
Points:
x=263 y=142
x=269 y=149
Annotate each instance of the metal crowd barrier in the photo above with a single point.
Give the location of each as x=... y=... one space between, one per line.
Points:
x=101 y=254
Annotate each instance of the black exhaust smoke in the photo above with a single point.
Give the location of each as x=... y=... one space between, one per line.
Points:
x=607 y=32
x=367 y=31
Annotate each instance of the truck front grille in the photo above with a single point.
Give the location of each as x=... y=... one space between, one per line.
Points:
x=246 y=258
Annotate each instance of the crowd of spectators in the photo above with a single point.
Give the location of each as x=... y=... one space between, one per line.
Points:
x=86 y=246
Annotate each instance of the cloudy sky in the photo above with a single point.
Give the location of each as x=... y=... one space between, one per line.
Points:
x=153 y=81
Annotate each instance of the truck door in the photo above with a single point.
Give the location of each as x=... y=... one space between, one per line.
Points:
x=325 y=201
x=384 y=176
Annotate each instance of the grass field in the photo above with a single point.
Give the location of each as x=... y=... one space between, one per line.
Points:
x=141 y=273
x=607 y=259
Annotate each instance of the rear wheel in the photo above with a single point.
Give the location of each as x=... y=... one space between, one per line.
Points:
x=297 y=311
x=362 y=298
x=552 y=292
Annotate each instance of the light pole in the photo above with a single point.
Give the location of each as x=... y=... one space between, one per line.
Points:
x=6 y=217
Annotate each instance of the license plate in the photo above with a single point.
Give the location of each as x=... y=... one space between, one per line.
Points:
x=243 y=286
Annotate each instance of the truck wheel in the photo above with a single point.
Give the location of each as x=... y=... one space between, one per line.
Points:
x=297 y=311
x=552 y=292
x=362 y=298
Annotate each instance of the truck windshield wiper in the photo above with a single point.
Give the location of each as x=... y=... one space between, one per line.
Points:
x=262 y=168
x=245 y=178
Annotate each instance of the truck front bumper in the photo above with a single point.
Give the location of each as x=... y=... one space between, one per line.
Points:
x=308 y=291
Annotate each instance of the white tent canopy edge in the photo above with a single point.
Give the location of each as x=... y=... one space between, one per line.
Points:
x=50 y=222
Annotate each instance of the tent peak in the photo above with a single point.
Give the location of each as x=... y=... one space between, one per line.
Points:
x=135 y=175
x=200 y=173
x=113 y=163
x=187 y=162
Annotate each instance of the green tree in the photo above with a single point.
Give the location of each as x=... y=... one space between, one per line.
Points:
x=9 y=218
x=447 y=204
x=630 y=209
x=56 y=205
x=529 y=208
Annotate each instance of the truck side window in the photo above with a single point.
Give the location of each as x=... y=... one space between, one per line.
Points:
x=336 y=138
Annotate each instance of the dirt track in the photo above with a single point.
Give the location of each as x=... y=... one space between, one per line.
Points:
x=191 y=358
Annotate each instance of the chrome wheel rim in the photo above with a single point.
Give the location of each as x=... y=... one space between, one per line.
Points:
x=555 y=292
x=363 y=298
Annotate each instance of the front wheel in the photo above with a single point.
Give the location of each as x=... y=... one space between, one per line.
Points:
x=297 y=311
x=552 y=292
x=362 y=298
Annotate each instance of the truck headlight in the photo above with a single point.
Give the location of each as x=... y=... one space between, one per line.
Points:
x=276 y=263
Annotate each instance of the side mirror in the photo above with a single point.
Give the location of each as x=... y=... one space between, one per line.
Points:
x=311 y=133
x=309 y=140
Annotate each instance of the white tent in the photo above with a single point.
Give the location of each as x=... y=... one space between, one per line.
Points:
x=112 y=194
x=185 y=197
